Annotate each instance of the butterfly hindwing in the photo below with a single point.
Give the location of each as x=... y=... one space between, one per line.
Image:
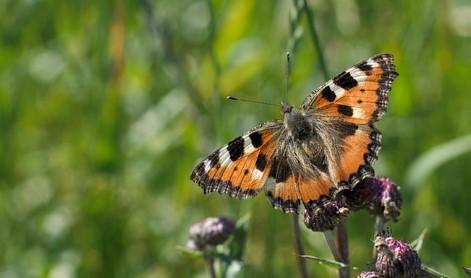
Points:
x=313 y=191
x=358 y=152
x=283 y=195
x=241 y=167
x=281 y=188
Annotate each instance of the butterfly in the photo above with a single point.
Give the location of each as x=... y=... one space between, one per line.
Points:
x=328 y=144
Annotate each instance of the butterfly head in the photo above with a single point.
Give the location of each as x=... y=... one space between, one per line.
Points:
x=286 y=107
x=296 y=122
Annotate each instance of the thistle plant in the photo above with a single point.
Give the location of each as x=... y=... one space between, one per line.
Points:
x=220 y=241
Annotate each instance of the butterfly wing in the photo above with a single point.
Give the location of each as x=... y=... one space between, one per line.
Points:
x=240 y=168
x=359 y=94
x=286 y=188
x=249 y=164
x=350 y=104
x=281 y=188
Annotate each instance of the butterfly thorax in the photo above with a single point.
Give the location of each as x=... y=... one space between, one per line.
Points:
x=301 y=145
x=296 y=123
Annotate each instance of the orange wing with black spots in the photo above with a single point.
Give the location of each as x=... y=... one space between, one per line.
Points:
x=313 y=191
x=354 y=100
x=358 y=152
x=359 y=94
x=240 y=168
x=283 y=195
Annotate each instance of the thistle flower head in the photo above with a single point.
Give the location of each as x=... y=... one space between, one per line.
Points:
x=379 y=195
x=211 y=231
x=396 y=258
x=325 y=216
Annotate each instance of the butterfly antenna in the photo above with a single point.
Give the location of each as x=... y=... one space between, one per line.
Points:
x=252 y=101
x=288 y=74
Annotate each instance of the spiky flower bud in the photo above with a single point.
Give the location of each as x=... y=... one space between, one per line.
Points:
x=325 y=216
x=396 y=258
x=379 y=195
x=211 y=231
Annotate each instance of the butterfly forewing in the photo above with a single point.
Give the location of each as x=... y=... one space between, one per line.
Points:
x=240 y=168
x=359 y=94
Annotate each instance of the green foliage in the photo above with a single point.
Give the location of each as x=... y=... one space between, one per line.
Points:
x=328 y=262
x=105 y=107
x=437 y=156
x=418 y=243
x=237 y=244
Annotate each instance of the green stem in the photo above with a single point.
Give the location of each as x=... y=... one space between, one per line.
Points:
x=299 y=247
x=315 y=39
x=342 y=244
x=331 y=242
x=210 y=263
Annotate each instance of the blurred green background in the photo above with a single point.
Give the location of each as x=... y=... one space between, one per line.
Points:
x=105 y=107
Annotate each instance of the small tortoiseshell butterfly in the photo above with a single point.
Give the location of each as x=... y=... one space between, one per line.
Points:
x=328 y=144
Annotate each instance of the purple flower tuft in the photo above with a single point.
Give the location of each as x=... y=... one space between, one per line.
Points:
x=211 y=231
x=368 y=274
x=379 y=195
x=325 y=216
x=396 y=258
x=191 y=244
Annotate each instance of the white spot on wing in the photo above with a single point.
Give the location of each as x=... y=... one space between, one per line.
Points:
x=257 y=174
x=360 y=77
x=357 y=74
x=372 y=63
x=224 y=157
x=248 y=147
x=357 y=112
x=338 y=91
x=207 y=165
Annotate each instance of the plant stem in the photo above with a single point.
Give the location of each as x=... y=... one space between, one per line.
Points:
x=342 y=244
x=331 y=242
x=315 y=39
x=333 y=246
x=210 y=263
x=299 y=247
x=379 y=227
